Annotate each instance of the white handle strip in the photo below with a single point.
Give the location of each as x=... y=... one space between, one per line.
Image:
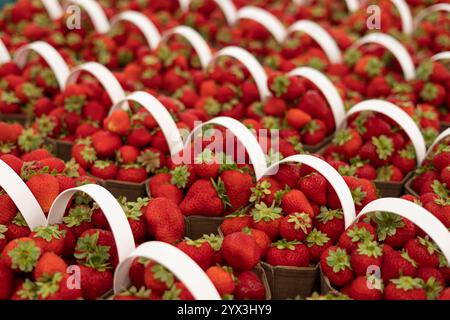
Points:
x=251 y=63
x=95 y=13
x=103 y=75
x=228 y=10
x=416 y=214
x=179 y=263
x=54 y=60
x=441 y=56
x=321 y=36
x=327 y=88
x=246 y=138
x=405 y=16
x=397 y=49
x=264 y=17
x=53 y=9
x=112 y=210
x=144 y=24
x=4 y=53
x=332 y=176
x=195 y=39
x=398 y=115
x=437 y=7
x=21 y=196
x=444 y=134
x=184 y=5
x=352 y=5
x=160 y=114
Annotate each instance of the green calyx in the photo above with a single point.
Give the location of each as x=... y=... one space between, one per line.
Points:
x=49 y=285
x=262 y=212
x=150 y=160
x=408 y=152
x=387 y=224
x=29 y=140
x=311 y=127
x=9 y=97
x=317 y=238
x=214 y=241
x=370 y=249
x=28 y=291
x=163 y=275
x=3 y=230
x=431 y=247
x=327 y=215
x=280 y=85
x=45 y=125
x=212 y=106
x=91 y=254
x=102 y=164
x=77 y=215
x=24 y=256
x=429 y=92
x=194 y=243
x=374 y=67
x=49 y=233
x=142 y=292
x=206 y=157
x=259 y=191
x=407 y=283
x=440 y=189
x=352 y=56
x=425 y=70
x=283 y=244
x=357 y=234
x=219 y=186
x=406 y=256
x=432 y=288
x=358 y=195
x=384 y=146
x=180 y=176
x=172 y=294
x=338 y=259
x=342 y=137
x=89 y=154
x=301 y=221
x=74 y=103
x=385 y=173
x=31 y=91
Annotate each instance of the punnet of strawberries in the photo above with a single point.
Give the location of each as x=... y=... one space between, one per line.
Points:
x=250 y=233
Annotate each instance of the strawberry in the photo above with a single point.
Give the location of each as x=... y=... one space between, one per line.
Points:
x=249 y=286
x=274 y=107
x=223 y=280
x=296 y=201
x=164 y=220
x=389 y=174
x=131 y=173
x=445 y=294
x=397 y=263
x=14 y=162
x=105 y=170
x=49 y=238
x=85 y=155
x=199 y=250
x=297 y=118
x=445 y=175
x=267 y=219
x=235 y=222
x=21 y=254
x=335 y=264
x=118 y=122
x=45 y=188
x=314 y=186
x=289 y=88
x=369 y=66
x=55 y=287
x=442 y=158
x=205 y=197
x=363 y=191
x=433 y=94
x=434 y=71
x=434 y=281
x=423 y=251
x=9 y=103
x=157 y=278
x=393 y=230
x=106 y=143
x=178 y=292
x=96 y=248
x=356 y=234
x=139 y=137
x=366 y=288
x=79 y=219
x=367 y=254
x=296 y=226
x=330 y=222
x=48 y=264
x=54 y=165
x=265 y=190
x=237 y=188
x=317 y=242
x=405 y=160
x=127 y=154
x=7 y=280
x=405 y=288
x=288 y=174
x=8 y=209
x=378 y=150
x=348 y=142
x=314 y=104
x=314 y=132
x=285 y=253
x=238 y=259
x=133 y=293
x=95 y=282
x=262 y=239
x=206 y=165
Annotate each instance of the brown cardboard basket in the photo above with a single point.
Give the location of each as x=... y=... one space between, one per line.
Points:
x=197 y=226
x=325 y=285
x=408 y=187
x=130 y=190
x=259 y=270
x=291 y=282
x=444 y=125
x=392 y=189
x=21 y=118
x=63 y=149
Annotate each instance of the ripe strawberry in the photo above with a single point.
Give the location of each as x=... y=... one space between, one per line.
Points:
x=21 y=254
x=405 y=160
x=84 y=155
x=106 y=143
x=445 y=175
x=139 y=137
x=356 y=234
x=235 y=222
x=95 y=282
x=249 y=286
x=348 y=142
x=238 y=259
x=314 y=104
x=14 y=162
x=131 y=173
x=267 y=219
x=223 y=279
x=366 y=288
x=288 y=174
x=157 y=278
x=289 y=88
x=433 y=94
x=199 y=250
x=274 y=107
x=405 y=288
x=206 y=165
x=378 y=150
x=96 y=248
x=445 y=294
x=205 y=197
x=330 y=222
x=285 y=253
x=367 y=254
x=335 y=264
x=127 y=154
x=48 y=264
x=8 y=209
x=178 y=292
x=423 y=251
x=434 y=71
x=314 y=132
x=295 y=201
x=314 y=186
x=297 y=118
x=79 y=219
x=397 y=263
x=442 y=158
x=45 y=188
x=164 y=220
x=369 y=66
x=393 y=230
x=296 y=226
x=389 y=174
x=7 y=280
x=49 y=238
x=265 y=190
x=105 y=170
x=363 y=191
x=237 y=188
x=118 y=122
x=317 y=242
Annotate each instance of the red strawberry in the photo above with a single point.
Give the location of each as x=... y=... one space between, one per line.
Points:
x=21 y=254
x=48 y=264
x=394 y=230
x=139 y=137
x=106 y=143
x=96 y=248
x=118 y=122
x=164 y=220
x=363 y=191
x=237 y=187
x=267 y=219
x=378 y=150
x=288 y=174
x=265 y=190
x=356 y=234
x=297 y=118
x=330 y=222
x=295 y=201
x=235 y=223
x=296 y=226
x=397 y=263
x=289 y=88
x=314 y=132
x=157 y=278
x=206 y=165
x=238 y=259
x=405 y=288
x=317 y=242
x=105 y=170
x=442 y=158
x=95 y=282
x=131 y=173
x=366 y=288
x=7 y=280
x=205 y=197
x=367 y=254
x=285 y=253
x=348 y=142
x=262 y=239
x=84 y=155
x=423 y=251
x=127 y=154
x=249 y=286
x=8 y=209
x=405 y=160
x=314 y=186
x=199 y=250
x=222 y=279
x=369 y=66
x=274 y=107
x=335 y=264
x=49 y=238
x=433 y=94
x=12 y=161
x=45 y=188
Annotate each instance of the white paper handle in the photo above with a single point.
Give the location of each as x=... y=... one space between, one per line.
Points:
x=265 y=18
x=22 y=197
x=95 y=13
x=103 y=75
x=195 y=39
x=160 y=114
x=179 y=263
x=251 y=63
x=53 y=9
x=400 y=117
x=144 y=24
x=184 y=5
x=321 y=36
x=112 y=210
x=246 y=138
x=439 y=138
x=228 y=10
x=441 y=56
x=54 y=60
x=352 y=5
x=4 y=53
x=425 y=12
x=416 y=214
x=405 y=16
x=396 y=48
x=332 y=176
x=327 y=88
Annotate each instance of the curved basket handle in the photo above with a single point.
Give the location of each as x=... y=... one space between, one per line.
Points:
x=144 y=24
x=441 y=56
x=251 y=63
x=195 y=39
x=265 y=18
x=95 y=13
x=112 y=210
x=434 y=8
x=179 y=263
x=333 y=177
x=4 y=53
x=184 y=5
x=416 y=214
x=321 y=36
x=444 y=134
x=160 y=114
x=22 y=197
x=246 y=138
x=327 y=88
x=228 y=10
x=53 y=9
x=405 y=16
x=103 y=75
x=397 y=49
x=400 y=117
x=352 y=5
x=54 y=60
